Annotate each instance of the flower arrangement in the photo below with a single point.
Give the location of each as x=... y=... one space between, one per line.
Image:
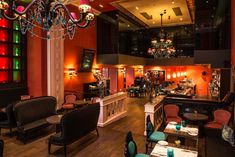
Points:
x=151 y=78
x=100 y=83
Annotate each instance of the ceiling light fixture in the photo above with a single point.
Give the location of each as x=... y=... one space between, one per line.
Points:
x=163 y=48
x=46 y=13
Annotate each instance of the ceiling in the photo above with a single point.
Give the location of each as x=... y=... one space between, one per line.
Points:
x=148 y=12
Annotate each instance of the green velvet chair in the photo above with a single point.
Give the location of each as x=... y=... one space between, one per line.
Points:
x=152 y=136
x=131 y=148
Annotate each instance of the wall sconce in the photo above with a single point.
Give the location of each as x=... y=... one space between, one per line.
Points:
x=71 y=72
x=185 y=73
x=174 y=75
x=182 y=74
x=168 y=76
x=123 y=71
x=178 y=74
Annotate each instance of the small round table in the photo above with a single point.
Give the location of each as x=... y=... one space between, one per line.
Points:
x=199 y=118
x=55 y=120
x=196 y=117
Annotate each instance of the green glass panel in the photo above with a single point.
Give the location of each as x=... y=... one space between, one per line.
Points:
x=16 y=76
x=16 y=25
x=16 y=63
x=16 y=37
x=16 y=50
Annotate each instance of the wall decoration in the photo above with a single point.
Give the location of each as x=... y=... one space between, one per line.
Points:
x=87 y=60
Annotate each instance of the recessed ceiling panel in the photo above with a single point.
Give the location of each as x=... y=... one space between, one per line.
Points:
x=177 y=13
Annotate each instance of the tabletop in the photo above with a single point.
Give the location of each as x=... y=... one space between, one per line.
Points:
x=55 y=119
x=190 y=131
x=160 y=151
x=195 y=116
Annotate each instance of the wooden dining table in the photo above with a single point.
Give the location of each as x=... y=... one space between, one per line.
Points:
x=181 y=151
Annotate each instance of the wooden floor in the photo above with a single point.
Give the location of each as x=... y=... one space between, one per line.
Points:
x=110 y=143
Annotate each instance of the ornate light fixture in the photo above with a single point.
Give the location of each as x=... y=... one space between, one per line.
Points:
x=163 y=48
x=45 y=13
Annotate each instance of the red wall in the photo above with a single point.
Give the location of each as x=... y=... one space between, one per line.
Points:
x=37 y=67
x=129 y=76
x=73 y=51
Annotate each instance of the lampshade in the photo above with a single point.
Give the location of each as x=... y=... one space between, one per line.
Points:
x=84 y=6
x=82 y=2
x=20 y=9
x=73 y=14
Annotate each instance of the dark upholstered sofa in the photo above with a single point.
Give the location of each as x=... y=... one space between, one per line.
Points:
x=7 y=118
x=31 y=114
x=75 y=125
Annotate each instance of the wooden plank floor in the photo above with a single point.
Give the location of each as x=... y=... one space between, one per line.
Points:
x=110 y=143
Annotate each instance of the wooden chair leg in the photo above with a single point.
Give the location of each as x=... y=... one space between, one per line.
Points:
x=146 y=148
x=65 y=150
x=97 y=132
x=49 y=147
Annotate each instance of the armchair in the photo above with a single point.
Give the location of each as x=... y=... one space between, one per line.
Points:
x=171 y=113
x=152 y=136
x=221 y=117
x=131 y=148
x=69 y=101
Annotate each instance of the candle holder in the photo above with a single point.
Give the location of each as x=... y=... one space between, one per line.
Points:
x=170 y=152
x=177 y=127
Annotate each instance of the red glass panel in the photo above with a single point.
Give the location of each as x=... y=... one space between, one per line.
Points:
x=3 y=35
x=3 y=76
x=3 y=22
x=3 y=63
x=3 y=49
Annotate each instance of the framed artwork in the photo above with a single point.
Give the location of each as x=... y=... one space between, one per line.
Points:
x=87 y=60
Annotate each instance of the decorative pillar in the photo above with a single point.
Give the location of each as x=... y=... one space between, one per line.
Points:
x=55 y=64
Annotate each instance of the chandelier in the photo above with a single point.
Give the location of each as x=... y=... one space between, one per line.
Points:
x=163 y=48
x=45 y=13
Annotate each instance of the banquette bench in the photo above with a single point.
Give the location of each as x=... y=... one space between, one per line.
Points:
x=31 y=114
x=75 y=125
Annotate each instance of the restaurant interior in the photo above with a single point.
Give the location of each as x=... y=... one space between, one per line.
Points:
x=110 y=78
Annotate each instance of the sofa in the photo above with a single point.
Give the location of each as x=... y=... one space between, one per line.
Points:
x=7 y=118
x=31 y=115
x=75 y=125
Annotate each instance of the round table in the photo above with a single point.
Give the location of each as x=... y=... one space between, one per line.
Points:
x=199 y=118
x=195 y=117
x=55 y=120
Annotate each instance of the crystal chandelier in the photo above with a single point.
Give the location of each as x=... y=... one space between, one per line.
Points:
x=163 y=48
x=45 y=13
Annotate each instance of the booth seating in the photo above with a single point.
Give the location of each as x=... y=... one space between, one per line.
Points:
x=75 y=125
x=171 y=113
x=7 y=118
x=31 y=115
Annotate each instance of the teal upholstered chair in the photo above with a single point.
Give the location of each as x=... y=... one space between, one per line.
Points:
x=152 y=136
x=131 y=148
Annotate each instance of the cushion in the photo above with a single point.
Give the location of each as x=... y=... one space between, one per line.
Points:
x=157 y=136
x=141 y=155
x=214 y=125
x=68 y=106
x=131 y=148
x=34 y=124
x=228 y=134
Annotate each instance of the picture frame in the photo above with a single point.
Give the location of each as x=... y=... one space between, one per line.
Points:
x=87 y=60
